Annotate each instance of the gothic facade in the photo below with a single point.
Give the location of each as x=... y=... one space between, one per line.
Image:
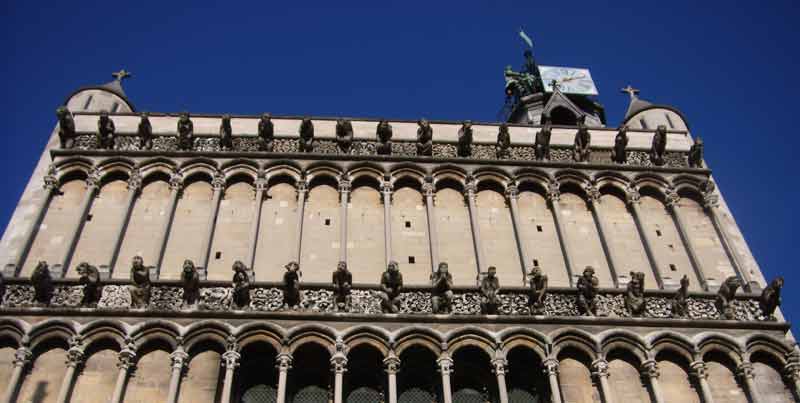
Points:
x=622 y=274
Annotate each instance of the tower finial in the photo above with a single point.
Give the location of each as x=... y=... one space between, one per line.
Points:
x=121 y=75
x=631 y=91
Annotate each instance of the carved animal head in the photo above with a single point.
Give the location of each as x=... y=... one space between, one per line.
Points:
x=189 y=270
x=588 y=272
x=83 y=268
x=342 y=266
x=777 y=283
x=137 y=263
x=226 y=122
x=42 y=269
x=184 y=117
x=491 y=271
x=292 y=266
x=266 y=118
x=238 y=266
x=393 y=267
x=729 y=287
x=443 y=267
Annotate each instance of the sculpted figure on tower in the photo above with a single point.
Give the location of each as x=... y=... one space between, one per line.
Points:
x=266 y=133
x=190 y=280
x=384 y=133
x=442 y=293
x=140 y=289
x=659 y=146
x=391 y=286
x=680 y=303
x=241 y=286
x=226 y=133
x=490 y=286
x=306 y=135
x=424 y=138
x=342 y=284
x=92 y=287
x=725 y=294
x=185 y=132
x=465 y=139
x=537 y=291
x=619 y=153
x=583 y=139
x=145 y=131
x=42 y=284
x=541 y=147
x=695 y=157
x=770 y=298
x=291 y=284
x=634 y=295
x=105 y=131
x=503 y=146
x=66 y=127
x=344 y=135
x=587 y=292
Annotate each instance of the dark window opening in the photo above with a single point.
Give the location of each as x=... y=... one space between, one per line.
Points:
x=412 y=260
x=658 y=232
x=538 y=228
x=327 y=221
x=535 y=262
x=672 y=267
x=671 y=247
x=643 y=123
x=408 y=224
x=114 y=107
x=88 y=102
x=218 y=255
x=669 y=121
x=88 y=217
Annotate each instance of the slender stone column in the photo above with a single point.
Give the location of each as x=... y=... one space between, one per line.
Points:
x=178 y=358
x=446 y=368
x=339 y=365
x=428 y=191
x=512 y=196
x=344 y=200
x=302 y=192
x=633 y=201
x=175 y=185
x=551 y=369
x=50 y=186
x=392 y=363
x=553 y=196
x=700 y=372
x=747 y=374
x=261 y=187
x=470 y=192
x=600 y=371
x=499 y=368
x=74 y=360
x=134 y=187
x=218 y=183
x=711 y=204
x=672 y=201
x=593 y=198
x=791 y=372
x=22 y=357
x=650 y=372
x=92 y=185
x=386 y=192
x=284 y=361
x=230 y=359
x=125 y=362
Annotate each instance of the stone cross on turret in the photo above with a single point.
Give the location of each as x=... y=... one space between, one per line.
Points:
x=631 y=91
x=121 y=75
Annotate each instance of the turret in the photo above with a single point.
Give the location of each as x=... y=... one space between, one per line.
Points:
x=108 y=97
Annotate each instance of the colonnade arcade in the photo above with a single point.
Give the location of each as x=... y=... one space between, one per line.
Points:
x=108 y=360
x=107 y=211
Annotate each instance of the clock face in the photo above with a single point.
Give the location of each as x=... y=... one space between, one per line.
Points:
x=571 y=80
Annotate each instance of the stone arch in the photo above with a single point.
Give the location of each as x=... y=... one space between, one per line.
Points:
x=450 y=171
x=50 y=330
x=47 y=366
x=522 y=337
x=657 y=184
x=575 y=357
x=453 y=225
x=625 y=340
x=101 y=330
x=206 y=331
x=200 y=163
x=769 y=363
x=766 y=344
x=165 y=165
x=566 y=176
x=615 y=180
x=576 y=339
x=114 y=167
x=673 y=342
x=688 y=182
x=322 y=335
x=373 y=336
x=236 y=171
x=471 y=336
x=408 y=174
x=71 y=168
x=286 y=167
x=368 y=169
x=424 y=337
x=535 y=177
x=720 y=343
x=231 y=236
x=157 y=331
x=14 y=331
x=260 y=332
x=491 y=174
x=625 y=352
x=323 y=170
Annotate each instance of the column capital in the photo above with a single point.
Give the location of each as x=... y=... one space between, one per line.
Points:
x=339 y=363
x=499 y=366
x=283 y=362
x=125 y=358
x=428 y=189
x=600 y=368
x=218 y=181
x=51 y=179
x=74 y=357
x=672 y=198
x=553 y=191
x=470 y=187
x=230 y=359
x=650 y=369
x=302 y=186
x=792 y=371
x=592 y=192
x=445 y=364
x=392 y=363
x=632 y=195
x=261 y=183
x=176 y=181
x=345 y=186
x=22 y=357
x=93 y=178
x=178 y=358
x=699 y=369
x=550 y=366
x=710 y=199
x=135 y=180
x=746 y=370
x=512 y=191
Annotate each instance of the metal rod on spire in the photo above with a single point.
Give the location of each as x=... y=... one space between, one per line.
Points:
x=525 y=38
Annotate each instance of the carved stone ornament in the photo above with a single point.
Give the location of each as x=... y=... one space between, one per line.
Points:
x=695 y=156
x=672 y=198
x=634 y=295
x=105 y=131
x=291 y=285
x=145 y=131
x=619 y=153
x=266 y=133
x=383 y=132
x=725 y=294
x=442 y=290
x=342 y=281
x=537 y=294
x=190 y=281
x=770 y=298
x=391 y=287
x=51 y=179
x=680 y=303
x=141 y=288
x=42 y=284
x=92 y=285
x=465 y=139
x=185 y=132
x=542 y=143
x=66 y=127
x=241 y=286
x=553 y=191
x=226 y=133
x=306 y=132
x=587 y=292
x=699 y=369
x=659 y=146
x=344 y=135
x=583 y=139
x=503 y=145
x=489 y=288
x=2 y=287
x=424 y=138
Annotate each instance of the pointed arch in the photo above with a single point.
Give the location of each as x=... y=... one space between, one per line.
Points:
x=155 y=331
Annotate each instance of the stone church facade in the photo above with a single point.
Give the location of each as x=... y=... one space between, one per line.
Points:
x=661 y=319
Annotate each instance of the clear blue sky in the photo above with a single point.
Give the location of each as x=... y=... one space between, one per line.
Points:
x=731 y=68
